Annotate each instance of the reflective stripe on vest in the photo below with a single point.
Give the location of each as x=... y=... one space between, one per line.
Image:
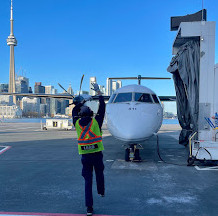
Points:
x=89 y=137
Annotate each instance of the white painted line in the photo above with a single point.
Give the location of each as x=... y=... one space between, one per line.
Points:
x=5 y=148
x=215 y=168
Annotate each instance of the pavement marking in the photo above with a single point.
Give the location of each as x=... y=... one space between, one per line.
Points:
x=5 y=148
x=215 y=168
x=44 y=214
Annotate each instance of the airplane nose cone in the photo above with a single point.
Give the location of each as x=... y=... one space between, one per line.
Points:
x=133 y=123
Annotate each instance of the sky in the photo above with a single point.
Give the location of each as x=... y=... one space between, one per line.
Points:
x=60 y=40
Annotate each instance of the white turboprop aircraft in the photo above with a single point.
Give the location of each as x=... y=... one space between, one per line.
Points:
x=133 y=113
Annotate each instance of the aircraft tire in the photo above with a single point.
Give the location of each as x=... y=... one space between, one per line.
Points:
x=127 y=154
x=137 y=157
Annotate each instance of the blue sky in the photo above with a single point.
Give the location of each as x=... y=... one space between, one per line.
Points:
x=59 y=40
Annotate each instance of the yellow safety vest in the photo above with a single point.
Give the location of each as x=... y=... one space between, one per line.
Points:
x=89 y=137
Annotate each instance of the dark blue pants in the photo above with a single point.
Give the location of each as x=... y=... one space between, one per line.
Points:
x=90 y=161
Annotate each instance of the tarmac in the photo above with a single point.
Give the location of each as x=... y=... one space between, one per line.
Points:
x=40 y=174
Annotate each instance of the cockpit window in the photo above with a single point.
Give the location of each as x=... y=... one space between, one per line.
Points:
x=143 y=97
x=112 y=98
x=123 y=97
x=155 y=98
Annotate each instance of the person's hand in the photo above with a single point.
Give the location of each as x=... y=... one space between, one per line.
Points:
x=96 y=88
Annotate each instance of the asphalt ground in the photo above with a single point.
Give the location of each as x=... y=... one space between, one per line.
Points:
x=40 y=173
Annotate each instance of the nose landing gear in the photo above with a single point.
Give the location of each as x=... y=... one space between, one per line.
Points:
x=132 y=153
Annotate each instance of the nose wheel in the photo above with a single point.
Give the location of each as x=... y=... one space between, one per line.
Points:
x=132 y=153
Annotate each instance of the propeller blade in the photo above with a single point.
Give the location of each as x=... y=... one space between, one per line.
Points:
x=81 y=84
x=65 y=90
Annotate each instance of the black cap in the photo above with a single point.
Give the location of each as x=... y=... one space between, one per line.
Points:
x=85 y=111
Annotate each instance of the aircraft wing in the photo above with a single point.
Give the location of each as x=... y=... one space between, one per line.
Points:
x=57 y=96
x=60 y=96
x=167 y=98
x=68 y=97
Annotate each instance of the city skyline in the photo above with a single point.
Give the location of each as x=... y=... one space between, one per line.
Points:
x=104 y=39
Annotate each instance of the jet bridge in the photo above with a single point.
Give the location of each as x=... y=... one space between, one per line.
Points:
x=196 y=83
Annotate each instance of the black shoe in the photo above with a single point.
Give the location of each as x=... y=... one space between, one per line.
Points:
x=101 y=194
x=89 y=211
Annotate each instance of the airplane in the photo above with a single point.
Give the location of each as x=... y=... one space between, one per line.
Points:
x=133 y=113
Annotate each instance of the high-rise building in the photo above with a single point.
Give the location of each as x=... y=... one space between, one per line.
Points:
x=109 y=87
x=115 y=85
x=49 y=89
x=6 y=100
x=52 y=104
x=13 y=111
x=30 y=106
x=3 y=87
x=30 y=89
x=38 y=88
x=43 y=109
x=92 y=80
x=12 y=42
x=70 y=90
x=119 y=84
x=102 y=89
x=82 y=92
x=22 y=84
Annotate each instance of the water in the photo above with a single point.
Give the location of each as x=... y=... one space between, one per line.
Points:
x=43 y=120
x=170 y=121
x=25 y=120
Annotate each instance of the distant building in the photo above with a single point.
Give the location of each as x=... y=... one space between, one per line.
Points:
x=49 y=89
x=64 y=104
x=82 y=92
x=3 y=87
x=51 y=102
x=6 y=100
x=109 y=87
x=92 y=80
x=30 y=90
x=13 y=111
x=38 y=88
x=22 y=84
x=8 y=109
x=30 y=106
x=43 y=109
x=102 y=89
x=70 y=90
x=68 y=110
x=116 y=85
x=119 y=84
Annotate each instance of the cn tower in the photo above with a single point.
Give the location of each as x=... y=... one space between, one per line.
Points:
x=11 y=41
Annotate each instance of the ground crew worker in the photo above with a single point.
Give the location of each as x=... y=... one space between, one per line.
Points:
x=90 y=146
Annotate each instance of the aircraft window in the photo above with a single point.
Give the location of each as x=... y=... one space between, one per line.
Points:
x=112 y=98
x=155 y=98
x=123 y=97
x=142 y=97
